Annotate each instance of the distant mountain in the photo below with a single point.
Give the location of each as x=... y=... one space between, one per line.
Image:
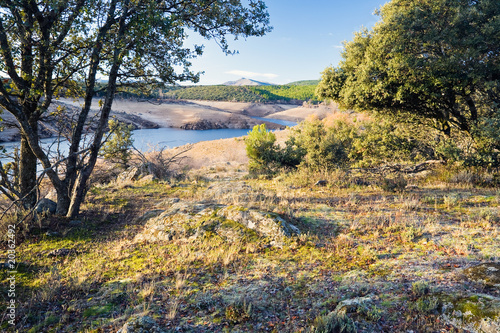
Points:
x=247 y=82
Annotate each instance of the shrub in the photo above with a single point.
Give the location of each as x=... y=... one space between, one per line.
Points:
x=333 y=323
x=397 y=184
x=117 y=146
x=382 y=141
x=266 y=157
x=324 y=147
x=262 y=150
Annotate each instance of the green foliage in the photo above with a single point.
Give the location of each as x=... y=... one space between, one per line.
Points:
x=304 y=83
x=214 y=93
x=382 y=141
x=262 y=150
x=256 y=94
x=285 y=93
x=397 y=184
x=324 y=147
x=319 y=146
x=433 y=60
x=117 y=147
x=267 y=157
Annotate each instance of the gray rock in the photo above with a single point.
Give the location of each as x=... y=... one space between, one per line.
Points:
x=190 y=220
x=46 y=206
x=351 y=305
x=130 y=174
x=266 y=224
x=230 y=192
x=477 y=313
x=63 y=252
x=141 y=324
x=486 y=273
x=179 y=221
x=75 y=223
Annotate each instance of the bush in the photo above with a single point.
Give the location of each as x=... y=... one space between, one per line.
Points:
x=262 y=150
x=266 y=157
x=117 y=146
x=397 y=184
x=333 y=323
x=324 y=147
x=382 y=141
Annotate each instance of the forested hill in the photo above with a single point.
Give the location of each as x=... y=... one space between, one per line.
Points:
x=290 y=93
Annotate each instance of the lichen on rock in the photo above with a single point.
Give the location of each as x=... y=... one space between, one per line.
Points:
x=141 y=324
x=477 y=313
x=486 y=273
x=190 y=220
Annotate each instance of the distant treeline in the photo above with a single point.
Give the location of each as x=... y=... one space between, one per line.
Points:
x=296 y=92
x=261 y=94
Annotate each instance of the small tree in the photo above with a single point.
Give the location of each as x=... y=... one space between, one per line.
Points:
x=118 y=145
x=323 y=147
x=262 y=150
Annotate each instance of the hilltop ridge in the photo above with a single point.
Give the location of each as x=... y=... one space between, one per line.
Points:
x=247 y=82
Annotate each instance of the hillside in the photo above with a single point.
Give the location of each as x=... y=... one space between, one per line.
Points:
x=294 y=93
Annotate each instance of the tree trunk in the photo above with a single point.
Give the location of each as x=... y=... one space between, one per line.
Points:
x=79 y=192
x=63 y=201
x=27 y=171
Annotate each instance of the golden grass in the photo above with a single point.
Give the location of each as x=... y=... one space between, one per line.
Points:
x=357 y=240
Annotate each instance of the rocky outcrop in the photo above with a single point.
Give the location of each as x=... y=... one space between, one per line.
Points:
x=46 y=206
x=267 y=224
x=191 y=220
x=141 y=324
x=487 y=274
x=203 y=125
x=477 y=313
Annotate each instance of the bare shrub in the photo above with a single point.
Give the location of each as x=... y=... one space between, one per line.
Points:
x=160 y=163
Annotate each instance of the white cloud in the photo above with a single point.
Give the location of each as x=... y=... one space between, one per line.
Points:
x=341 y=47
x=252 y=74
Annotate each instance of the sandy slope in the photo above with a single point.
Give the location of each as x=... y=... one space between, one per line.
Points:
x=184 y=114
x=300 y=113
x=219 y=153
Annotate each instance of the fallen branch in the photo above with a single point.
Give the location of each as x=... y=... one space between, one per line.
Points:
x=403 y=168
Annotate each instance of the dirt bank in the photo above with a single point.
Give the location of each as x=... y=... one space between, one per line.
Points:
x=198 y=115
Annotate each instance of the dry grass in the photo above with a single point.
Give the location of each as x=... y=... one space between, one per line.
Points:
x=357 y=240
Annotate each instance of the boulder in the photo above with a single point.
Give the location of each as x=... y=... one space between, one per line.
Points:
x=46 y=206
x=230 y=192
x=321 y=183
x=266 y=224
x=190 y=220
x=141 y=324
x=351 y=305
x=63 y=252
x=131 y=174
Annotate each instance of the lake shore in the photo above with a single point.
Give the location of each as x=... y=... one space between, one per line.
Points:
x=183 y=114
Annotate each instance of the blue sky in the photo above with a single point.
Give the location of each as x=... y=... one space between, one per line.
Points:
x=307 y=37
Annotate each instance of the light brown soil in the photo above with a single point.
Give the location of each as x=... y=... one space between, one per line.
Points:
x=182 y=114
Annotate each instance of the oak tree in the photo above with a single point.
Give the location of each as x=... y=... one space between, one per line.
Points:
x=53 y=46
x=433 y=61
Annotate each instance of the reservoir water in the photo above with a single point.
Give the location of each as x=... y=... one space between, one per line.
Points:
x=148 y=139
